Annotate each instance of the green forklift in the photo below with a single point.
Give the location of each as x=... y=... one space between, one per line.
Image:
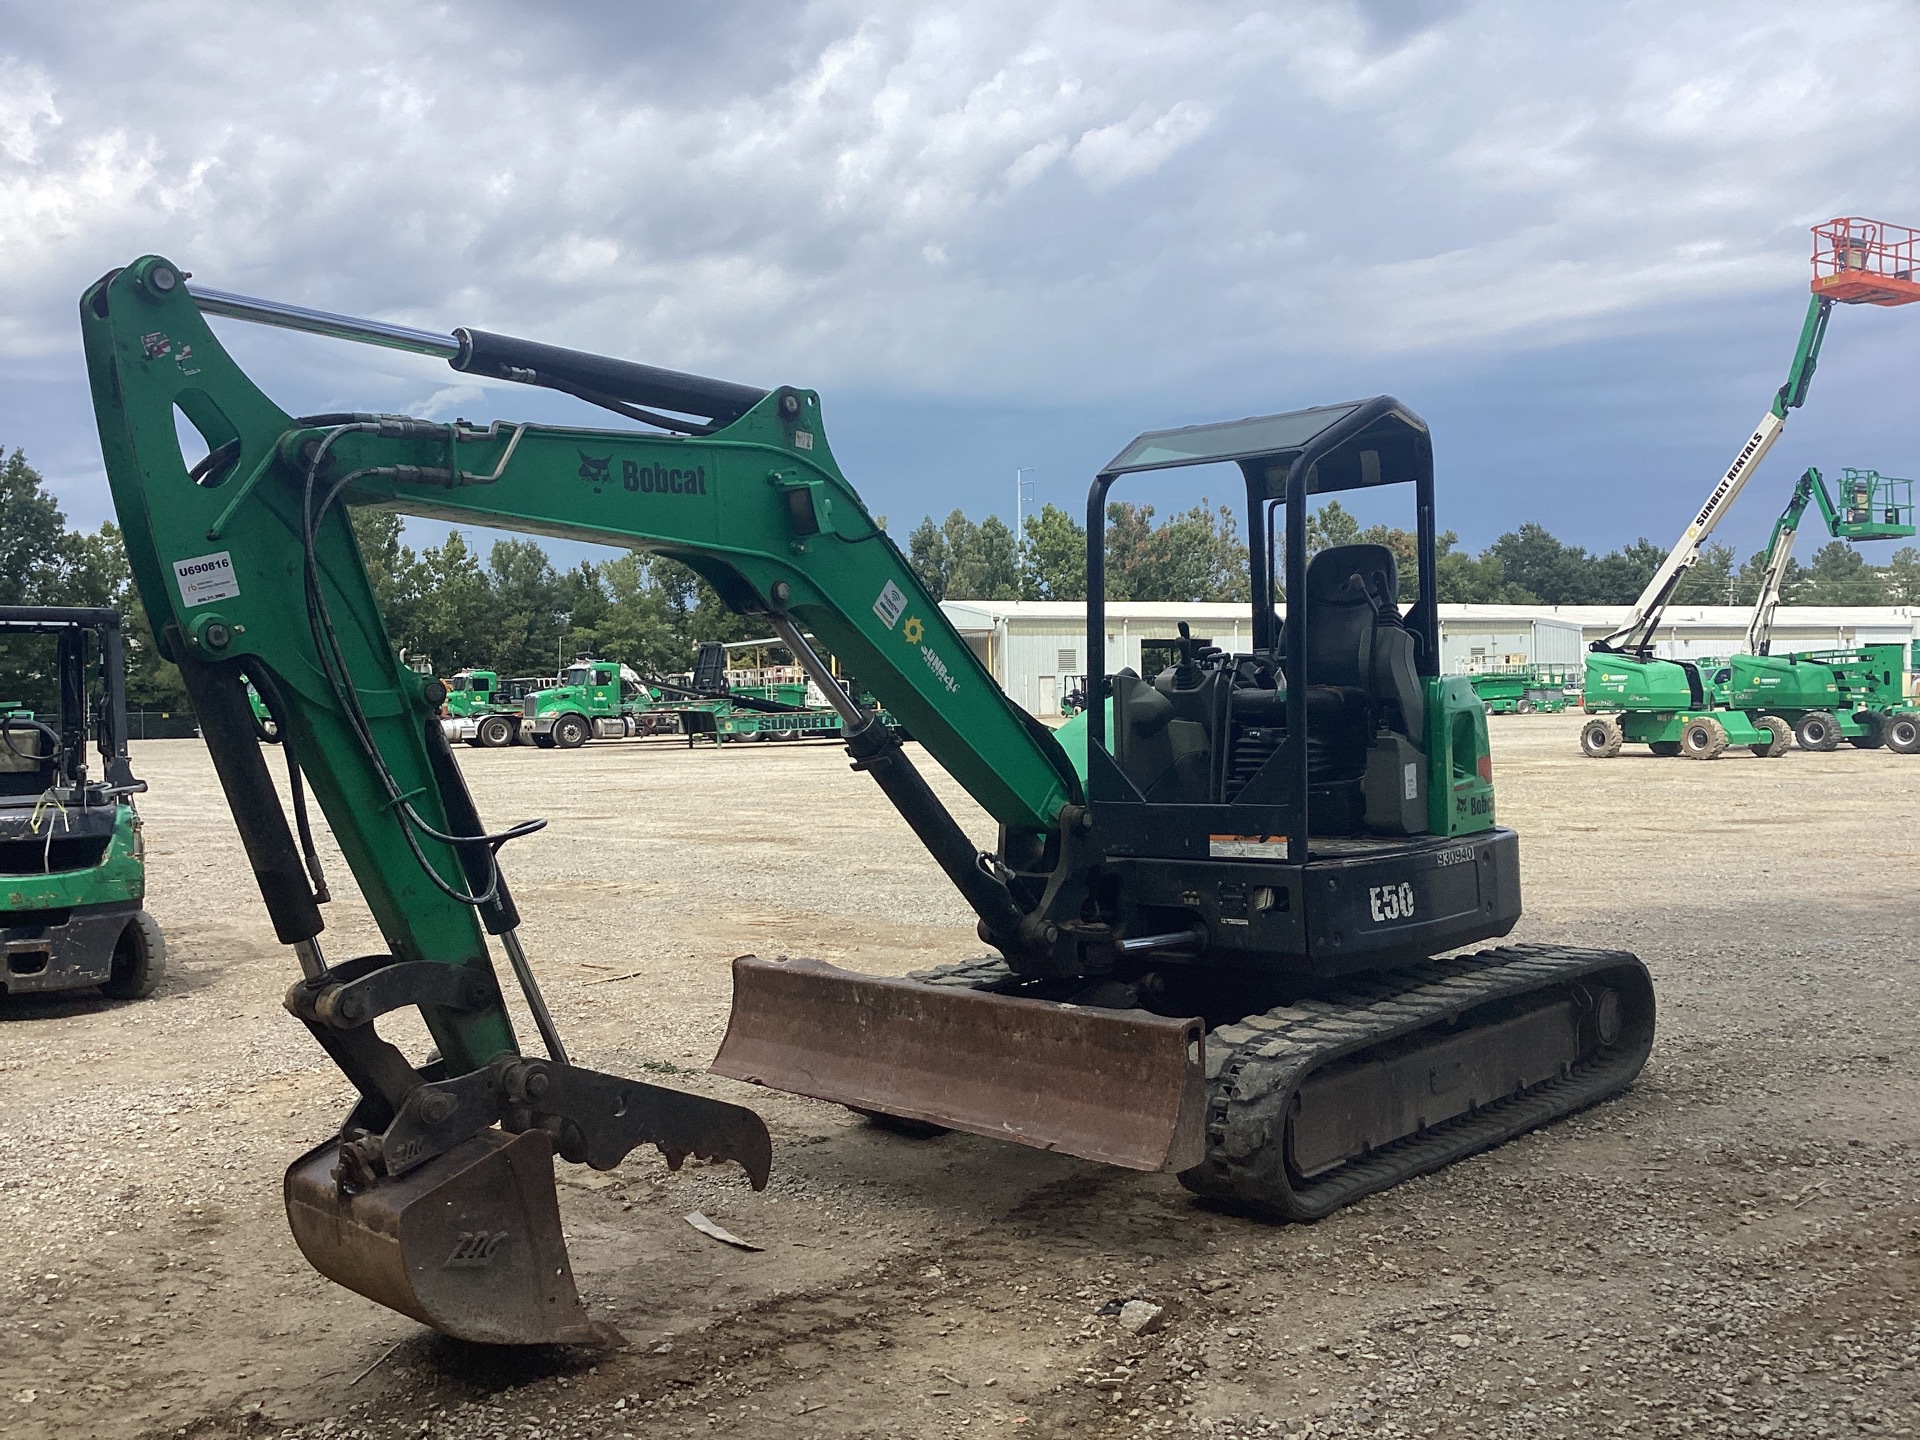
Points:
x=72 y=865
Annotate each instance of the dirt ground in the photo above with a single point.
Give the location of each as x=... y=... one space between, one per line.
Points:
x=1728 y=1249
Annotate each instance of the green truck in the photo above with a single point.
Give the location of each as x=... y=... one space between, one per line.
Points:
x=1525 y=689
x=594 y=700
x=486 y=711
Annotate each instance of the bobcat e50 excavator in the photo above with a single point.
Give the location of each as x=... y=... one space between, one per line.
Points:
x=1216 y=898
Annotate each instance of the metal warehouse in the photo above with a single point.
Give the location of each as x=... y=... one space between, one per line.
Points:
x=1036 y=649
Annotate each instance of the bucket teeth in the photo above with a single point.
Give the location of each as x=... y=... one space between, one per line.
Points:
x=1125 y=1087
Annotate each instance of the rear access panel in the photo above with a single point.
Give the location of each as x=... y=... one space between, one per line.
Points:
x=1124 y=1087
x=1378 y=911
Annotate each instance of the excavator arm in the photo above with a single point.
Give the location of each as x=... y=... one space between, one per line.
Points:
x=431 y=1199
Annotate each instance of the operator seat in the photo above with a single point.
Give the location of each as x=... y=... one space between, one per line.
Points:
x=1361 y=675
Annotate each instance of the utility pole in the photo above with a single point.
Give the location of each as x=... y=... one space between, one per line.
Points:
x=1022 y=492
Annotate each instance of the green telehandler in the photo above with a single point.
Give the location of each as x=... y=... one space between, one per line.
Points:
x=1227 y=906
x=73 y=874
x=1637 y=697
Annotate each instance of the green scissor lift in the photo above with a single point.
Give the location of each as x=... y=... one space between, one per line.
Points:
x=1525 y=689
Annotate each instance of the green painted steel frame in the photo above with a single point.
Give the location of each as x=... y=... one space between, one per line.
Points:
x=759 y=508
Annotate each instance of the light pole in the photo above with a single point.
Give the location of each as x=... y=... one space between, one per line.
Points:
x=1022 y=492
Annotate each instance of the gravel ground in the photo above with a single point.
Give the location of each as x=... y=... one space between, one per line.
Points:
x=1728 y=1249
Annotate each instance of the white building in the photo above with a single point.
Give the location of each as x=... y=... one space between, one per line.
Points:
x=1037 y=649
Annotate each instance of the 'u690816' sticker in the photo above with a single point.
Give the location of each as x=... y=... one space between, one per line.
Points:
x=206 y=578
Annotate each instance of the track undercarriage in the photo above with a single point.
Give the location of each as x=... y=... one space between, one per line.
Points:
x=1339 y=1090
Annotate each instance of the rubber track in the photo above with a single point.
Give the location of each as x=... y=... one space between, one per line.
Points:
x=1255 y=1065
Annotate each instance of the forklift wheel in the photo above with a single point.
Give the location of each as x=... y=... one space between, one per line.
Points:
x=1703 y=739
x=1779 y=736
x=1600 y=739
x=1903 y=734
x=139 y=960
x=1818 y=731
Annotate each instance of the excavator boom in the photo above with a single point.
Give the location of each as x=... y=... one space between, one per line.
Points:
x=249 y=568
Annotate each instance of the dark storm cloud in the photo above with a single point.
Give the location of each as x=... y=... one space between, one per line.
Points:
x=1180 y=207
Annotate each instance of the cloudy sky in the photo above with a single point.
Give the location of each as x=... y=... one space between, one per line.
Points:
x=997 y=235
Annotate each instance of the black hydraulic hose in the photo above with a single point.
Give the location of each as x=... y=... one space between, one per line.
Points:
x=333 y=665
x=270 y=695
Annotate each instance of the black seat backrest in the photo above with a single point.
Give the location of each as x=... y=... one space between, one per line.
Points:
x=710 y=667
x=1357 y=638
x=1350 y=589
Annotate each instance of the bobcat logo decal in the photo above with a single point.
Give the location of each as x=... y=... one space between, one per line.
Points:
x=595 y=472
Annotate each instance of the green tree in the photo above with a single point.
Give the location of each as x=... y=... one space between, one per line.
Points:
x=1462 y=579
x=639 y=623
x=527 y=612
x=930 y=555
x=982 y=561
x=455 y=622
x=1617 y=578
x=393 y=570
x=1551 y=572
x=1840 y=575
x=1330 y=525
x=33 y=536
x=1405 y=546
x=1053 y=556
x=1196 y=555
x=1708 y=583
x=1902 y=576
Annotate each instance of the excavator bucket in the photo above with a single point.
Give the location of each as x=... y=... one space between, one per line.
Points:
x=1120 y=1086
x=469 y=1243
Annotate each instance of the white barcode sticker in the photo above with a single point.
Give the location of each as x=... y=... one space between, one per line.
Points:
x=891 y=605
x=206 y=578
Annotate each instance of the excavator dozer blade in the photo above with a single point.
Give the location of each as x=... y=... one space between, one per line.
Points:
x=469 y=1243
x=1121 y=1086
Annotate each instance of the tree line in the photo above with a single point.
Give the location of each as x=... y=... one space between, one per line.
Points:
x=514 y=612
x=1198 y=555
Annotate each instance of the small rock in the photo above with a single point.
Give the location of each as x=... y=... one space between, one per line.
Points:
x=1465 y=1342
x=1140 y=1317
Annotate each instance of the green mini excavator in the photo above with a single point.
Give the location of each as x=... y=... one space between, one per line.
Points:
x=1226 y=907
